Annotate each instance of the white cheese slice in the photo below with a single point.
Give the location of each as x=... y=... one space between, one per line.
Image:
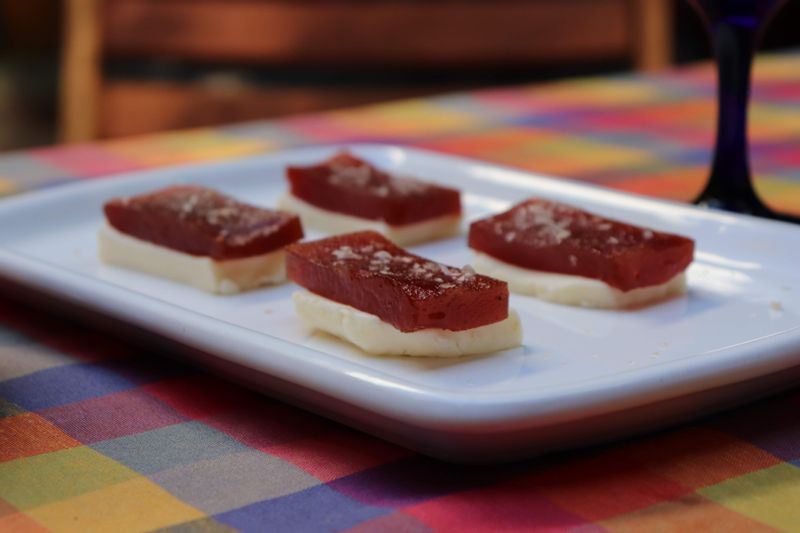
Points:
x=574 y=290
x=222 y=277
x=377 y=337
x=331 y=222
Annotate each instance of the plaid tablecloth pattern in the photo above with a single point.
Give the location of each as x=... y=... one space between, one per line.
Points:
x=100 y=435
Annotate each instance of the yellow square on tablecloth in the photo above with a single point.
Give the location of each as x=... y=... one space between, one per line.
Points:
x=134 y=505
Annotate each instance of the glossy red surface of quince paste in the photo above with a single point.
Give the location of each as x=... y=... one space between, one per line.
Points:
x=553 y=237
x=200 y=221
x=346 y=184
x=366 y=271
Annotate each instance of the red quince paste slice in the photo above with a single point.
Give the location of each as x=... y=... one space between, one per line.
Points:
x=346 y=184
x=203 y=222
x=367 y=271
x=553 y=237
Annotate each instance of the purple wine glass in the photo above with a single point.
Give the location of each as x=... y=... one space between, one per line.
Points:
x=735 y=28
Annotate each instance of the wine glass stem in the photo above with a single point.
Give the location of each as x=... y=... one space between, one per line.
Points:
x=730 y=186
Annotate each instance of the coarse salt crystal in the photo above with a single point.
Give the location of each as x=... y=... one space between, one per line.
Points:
x=345 y=252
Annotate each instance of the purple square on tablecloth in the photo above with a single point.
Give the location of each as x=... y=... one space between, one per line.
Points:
x=318 y=509
x=112 y=416
x=64 y=384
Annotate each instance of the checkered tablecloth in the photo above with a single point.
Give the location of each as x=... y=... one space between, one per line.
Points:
x=97 y=434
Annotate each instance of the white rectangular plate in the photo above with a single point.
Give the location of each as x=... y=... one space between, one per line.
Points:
x=582 y=375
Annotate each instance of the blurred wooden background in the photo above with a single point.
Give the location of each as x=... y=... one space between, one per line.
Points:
x=73 y=70
x=359 y=39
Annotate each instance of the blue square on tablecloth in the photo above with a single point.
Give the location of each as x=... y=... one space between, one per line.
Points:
x=317 y=509
x=64 y=384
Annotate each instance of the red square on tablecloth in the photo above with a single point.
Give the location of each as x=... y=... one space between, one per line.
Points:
x=507 y=506
x=697 y=457
x=337 y=453
x=689 y=513
x=202 y=396
x=269 y=423
x=86 y=160
x=604 y=486
x=112 y=416
x=20 y=523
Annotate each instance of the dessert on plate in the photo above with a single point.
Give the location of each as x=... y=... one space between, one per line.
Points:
x=199 y=237
x=365 y=289
x=345 y=194
x=569 y=256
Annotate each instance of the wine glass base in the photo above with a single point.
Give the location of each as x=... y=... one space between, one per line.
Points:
x=785 y=217
x=752 y=207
